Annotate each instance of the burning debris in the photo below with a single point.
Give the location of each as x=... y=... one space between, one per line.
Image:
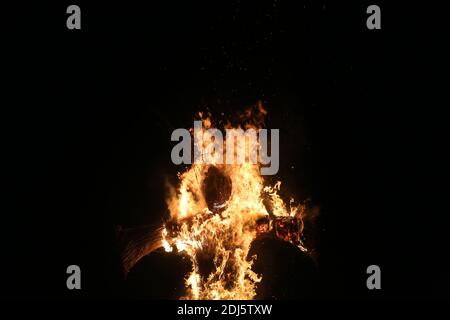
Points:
x=216 y=213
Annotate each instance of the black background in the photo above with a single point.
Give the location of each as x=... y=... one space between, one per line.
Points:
x=87 y=118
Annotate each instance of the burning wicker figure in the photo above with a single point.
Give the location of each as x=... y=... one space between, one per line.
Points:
x=215 y=215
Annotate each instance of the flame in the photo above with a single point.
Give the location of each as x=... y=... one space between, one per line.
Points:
x=222 y=233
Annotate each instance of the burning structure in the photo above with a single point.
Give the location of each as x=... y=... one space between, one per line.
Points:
x=216 y=212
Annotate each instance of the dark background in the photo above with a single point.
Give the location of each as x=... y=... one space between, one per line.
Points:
x=87 y=117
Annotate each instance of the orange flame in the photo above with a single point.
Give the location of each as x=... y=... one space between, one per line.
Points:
x=223 y=234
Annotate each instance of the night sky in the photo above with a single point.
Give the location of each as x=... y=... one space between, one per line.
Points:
x=87 y=117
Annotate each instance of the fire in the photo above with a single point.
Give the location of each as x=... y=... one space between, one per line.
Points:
x=216 y=213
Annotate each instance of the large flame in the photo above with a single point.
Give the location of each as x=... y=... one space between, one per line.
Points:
x=222 y=232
